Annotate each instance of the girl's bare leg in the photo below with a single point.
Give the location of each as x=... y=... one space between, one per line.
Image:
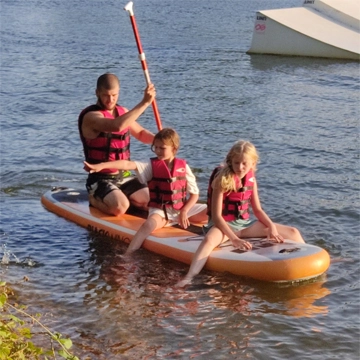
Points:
x=289 y=232
x=212 y=239
x=259 y=230
x=152 y=223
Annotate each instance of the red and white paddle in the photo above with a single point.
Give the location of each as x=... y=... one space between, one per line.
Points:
x=129 y=7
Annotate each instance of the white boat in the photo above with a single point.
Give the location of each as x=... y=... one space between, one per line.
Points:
x=320 y=28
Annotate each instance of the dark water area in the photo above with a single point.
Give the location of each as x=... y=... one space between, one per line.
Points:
x=301 y=113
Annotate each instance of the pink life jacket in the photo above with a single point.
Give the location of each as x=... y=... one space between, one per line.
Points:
x=235 y=203
x=106 y=146
x=168 y=189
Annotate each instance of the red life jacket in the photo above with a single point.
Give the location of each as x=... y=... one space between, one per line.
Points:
x=235 y=203
x=106 y=146
x=167 y=189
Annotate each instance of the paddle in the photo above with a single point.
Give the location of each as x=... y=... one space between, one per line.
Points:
x=129 y=7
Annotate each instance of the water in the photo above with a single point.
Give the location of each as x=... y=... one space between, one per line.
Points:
x=301 y=113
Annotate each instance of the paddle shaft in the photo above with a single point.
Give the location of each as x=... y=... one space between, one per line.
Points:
x=129 y=8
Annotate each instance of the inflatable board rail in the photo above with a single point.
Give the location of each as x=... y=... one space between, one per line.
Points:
x=267 y=261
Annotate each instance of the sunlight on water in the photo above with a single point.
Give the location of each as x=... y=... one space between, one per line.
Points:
x=301 y=113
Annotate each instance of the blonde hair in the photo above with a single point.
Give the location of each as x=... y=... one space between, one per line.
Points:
x=169 y=137
x=225 y=177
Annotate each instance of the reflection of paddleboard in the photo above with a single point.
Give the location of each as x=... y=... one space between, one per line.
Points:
x=267 y=261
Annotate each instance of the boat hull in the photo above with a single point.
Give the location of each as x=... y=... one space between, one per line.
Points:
x=319 y=29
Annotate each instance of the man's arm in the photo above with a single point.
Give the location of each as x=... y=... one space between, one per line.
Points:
x=141 y=134
x=94 y=122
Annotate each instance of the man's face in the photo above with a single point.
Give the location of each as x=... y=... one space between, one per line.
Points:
x=108 y=98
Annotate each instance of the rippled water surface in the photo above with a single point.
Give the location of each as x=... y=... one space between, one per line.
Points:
x=301 y=113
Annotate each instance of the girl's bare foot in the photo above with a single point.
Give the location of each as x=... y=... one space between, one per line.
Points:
x=182 y=283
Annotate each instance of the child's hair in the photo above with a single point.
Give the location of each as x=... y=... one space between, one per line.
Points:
x=226 y=174
x=169 y=137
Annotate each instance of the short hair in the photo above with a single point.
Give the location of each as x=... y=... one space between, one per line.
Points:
x=169 y=137
x=107 y=81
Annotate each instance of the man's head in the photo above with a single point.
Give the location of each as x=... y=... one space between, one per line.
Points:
x=107 y=91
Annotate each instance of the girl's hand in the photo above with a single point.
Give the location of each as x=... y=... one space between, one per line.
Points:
x=241 y=244
x=274 y=235
x=91 y=168
x=183 y=219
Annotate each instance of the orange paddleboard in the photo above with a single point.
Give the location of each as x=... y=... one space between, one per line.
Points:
x=267 y=261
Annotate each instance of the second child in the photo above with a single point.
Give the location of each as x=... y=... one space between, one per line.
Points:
x=172 y=186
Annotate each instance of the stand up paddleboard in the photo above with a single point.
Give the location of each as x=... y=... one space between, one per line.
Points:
x=267 y=261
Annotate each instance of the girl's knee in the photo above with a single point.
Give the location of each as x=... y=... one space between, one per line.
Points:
x=294 y=234
x=294 y=231
x=212 y=241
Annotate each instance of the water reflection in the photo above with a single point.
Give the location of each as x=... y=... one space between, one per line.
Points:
x=146 y=285
x=295 y=300
x=271 y=62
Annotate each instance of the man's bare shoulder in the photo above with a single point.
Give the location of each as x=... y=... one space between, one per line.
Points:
x=91 y=124
x=93 y=114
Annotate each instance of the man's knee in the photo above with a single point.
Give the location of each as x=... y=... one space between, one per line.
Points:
x=111 y=207
x=120 y=207
x=141 y=200
x=141 y=205
x=117 y=211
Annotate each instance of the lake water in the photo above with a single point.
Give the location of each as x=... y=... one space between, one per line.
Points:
x=301 y=113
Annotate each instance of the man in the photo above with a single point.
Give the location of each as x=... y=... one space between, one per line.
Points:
x=105 y=130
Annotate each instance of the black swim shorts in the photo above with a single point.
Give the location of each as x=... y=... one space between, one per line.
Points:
x=99 y=185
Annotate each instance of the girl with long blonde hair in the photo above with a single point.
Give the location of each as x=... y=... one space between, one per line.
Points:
x=232 y=191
